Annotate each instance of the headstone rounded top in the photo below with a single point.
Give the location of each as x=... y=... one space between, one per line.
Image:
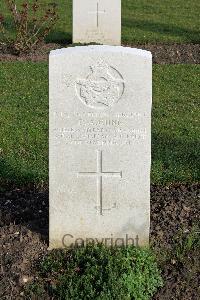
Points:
x=102 y=48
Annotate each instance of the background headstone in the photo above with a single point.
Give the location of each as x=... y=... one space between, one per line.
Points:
x=97 y=21
x=100 y=144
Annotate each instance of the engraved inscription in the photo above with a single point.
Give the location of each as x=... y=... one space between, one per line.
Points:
x=101 y=136
x=94 y=35
x=99 y=175
x=102 y=88
x=98 y=128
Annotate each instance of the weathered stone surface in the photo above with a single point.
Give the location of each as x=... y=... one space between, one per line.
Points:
x=100 y=145
x=97 y=21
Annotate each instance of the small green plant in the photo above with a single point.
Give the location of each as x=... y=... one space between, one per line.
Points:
x=34 y=291
x=186 y=243
x=30 y=27
x=97 y=272
x=183 y=260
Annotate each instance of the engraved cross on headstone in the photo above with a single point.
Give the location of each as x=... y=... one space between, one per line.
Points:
x=97 y=12
x=99 y=174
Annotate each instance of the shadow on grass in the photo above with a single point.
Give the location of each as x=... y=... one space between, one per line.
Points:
x=163 y=29
x=178 y=159
x=58 y=37
x=21 y=203
x=15 y=176
x=28 y=206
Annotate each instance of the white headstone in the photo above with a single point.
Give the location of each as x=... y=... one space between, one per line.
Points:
x=97 y=21
x=100 y=145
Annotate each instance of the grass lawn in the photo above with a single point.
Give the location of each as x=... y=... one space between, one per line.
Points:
x=143 y=21
x=24 y=123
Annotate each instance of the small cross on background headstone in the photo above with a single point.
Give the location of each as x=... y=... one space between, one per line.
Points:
x=97 y=12
x=97 y=21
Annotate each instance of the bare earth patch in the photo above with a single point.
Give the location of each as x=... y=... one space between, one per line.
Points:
x=162 y=53
x=24 y=236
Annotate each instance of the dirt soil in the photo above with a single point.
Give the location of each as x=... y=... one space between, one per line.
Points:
x=162 y=53
x=24 y=236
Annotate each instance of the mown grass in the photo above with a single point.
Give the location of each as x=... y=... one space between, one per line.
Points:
x=24 y=123
x=176 y=124
x=143 y=21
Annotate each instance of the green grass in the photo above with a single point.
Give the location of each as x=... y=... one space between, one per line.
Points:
x=97 y=272
x=24 y=123
x=142 y=21
x=176 y=124
x=185 y=243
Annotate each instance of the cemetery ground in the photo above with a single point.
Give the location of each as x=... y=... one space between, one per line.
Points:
x=146 y=21
x=168 y=29
x=24 y=180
